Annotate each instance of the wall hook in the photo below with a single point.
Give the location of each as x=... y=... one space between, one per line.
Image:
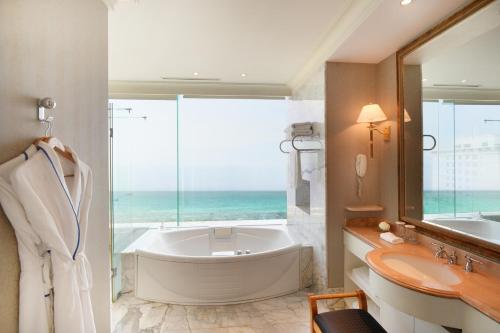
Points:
x=43 y=104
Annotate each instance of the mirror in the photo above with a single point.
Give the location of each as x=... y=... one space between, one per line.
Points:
x=449 y=100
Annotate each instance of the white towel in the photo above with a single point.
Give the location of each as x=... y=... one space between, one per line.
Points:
x=302 y=132
x=295 y=169
x=304 y=129
x=391 y=238
x=307 y=125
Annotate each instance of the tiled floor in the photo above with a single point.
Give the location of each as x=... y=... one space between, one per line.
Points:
x=287 y=314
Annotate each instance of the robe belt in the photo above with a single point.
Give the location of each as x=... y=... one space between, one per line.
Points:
x=83 y=271
x=46 y=272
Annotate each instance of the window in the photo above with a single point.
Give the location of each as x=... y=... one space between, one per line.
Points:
x=192 y=160
x=461 y=176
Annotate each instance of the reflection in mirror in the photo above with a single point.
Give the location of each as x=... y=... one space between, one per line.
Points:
x=451 y=99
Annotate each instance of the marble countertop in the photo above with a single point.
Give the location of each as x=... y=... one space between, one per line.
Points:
x=478 y=289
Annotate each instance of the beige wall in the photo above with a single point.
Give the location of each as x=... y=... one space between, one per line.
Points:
x=388 y=157
x=349 y=86
x=56 y=48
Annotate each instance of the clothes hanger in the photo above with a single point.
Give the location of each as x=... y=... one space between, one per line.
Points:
x=54 y=142
x=58 y=148
x=57 y=145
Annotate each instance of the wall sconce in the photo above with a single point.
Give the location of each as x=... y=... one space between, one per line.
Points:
x=372 y=113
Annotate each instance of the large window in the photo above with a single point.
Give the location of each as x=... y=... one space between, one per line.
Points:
x=461 y=172
x=179 y=162
x=230 y=167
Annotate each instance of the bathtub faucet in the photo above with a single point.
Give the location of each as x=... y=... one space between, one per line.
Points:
x=240 y=252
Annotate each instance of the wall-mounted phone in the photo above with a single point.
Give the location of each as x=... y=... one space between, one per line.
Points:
x=361 y=165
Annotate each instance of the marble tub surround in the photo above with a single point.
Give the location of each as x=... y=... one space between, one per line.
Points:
x=306 y=266
x=127 y=272
x=479 y=289
x=284 y=314
x=307 y=104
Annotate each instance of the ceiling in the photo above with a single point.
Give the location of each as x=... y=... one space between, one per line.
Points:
x=277 y=42
x=267 y=40
x=391 y=26
x=468 y=54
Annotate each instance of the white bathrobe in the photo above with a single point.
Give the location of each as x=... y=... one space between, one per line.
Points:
x=35 y=290
x=58 y=211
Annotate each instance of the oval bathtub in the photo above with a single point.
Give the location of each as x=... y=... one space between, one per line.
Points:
x=204 y=265
x=476 y=227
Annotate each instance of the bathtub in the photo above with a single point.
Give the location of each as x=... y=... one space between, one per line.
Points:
x=477 y=227
x=221 y=265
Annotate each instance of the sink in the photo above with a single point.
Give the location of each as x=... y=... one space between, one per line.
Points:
x=431 y=273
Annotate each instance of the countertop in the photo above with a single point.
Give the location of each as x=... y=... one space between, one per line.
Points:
x=479 y=290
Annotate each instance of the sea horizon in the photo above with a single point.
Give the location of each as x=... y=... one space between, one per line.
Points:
x=190 y=206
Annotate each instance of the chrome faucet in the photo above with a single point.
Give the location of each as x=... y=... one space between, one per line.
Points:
x=452 y=258
x=442 y=254
x=468 y=263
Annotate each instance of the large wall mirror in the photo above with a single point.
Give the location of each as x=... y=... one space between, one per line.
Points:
x=449 y=120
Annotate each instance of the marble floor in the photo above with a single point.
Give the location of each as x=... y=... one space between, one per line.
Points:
x=286 y=314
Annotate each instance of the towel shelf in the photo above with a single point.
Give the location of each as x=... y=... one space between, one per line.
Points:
x=300 y=138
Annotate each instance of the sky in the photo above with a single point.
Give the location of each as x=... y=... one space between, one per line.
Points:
x=223 y=145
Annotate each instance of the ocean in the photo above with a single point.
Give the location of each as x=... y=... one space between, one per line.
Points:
x=445 y=202
x=161 y=206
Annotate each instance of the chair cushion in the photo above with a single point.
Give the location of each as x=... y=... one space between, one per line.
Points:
x=348 y=321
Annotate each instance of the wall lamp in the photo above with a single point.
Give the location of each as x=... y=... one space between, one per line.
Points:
x=372 y=113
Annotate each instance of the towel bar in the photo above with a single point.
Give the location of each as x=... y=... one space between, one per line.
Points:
x=299 y=138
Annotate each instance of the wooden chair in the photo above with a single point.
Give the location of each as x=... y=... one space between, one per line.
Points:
x=343 y=321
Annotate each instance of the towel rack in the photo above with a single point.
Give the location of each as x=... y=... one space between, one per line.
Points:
x=300 y=138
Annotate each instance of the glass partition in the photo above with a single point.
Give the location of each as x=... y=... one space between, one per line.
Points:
x=458 y=177
x=439 y=158
x=143 y=165
x=192 y=162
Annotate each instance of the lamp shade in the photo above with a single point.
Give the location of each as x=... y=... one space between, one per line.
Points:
x=371 y=113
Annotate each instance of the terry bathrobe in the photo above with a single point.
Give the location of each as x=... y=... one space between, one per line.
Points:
x=57 y=208
x=35 y=290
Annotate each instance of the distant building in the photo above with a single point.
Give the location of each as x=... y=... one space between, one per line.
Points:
x=467 y=168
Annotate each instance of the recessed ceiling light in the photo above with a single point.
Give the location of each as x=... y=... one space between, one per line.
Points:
x=196 y=73
x=463 y=81
x=406 y=2
x=424 y=80
x=243 y=74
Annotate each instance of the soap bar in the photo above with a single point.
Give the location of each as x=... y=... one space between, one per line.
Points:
x=391 y=238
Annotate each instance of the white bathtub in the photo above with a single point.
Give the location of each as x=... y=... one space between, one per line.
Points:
x=477 y=227
x=201 y=266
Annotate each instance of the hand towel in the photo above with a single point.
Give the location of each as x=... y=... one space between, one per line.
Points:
x=295 y=169
x=391 y=238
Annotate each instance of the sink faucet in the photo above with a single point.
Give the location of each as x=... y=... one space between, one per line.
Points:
x=442 y=254
x=468 y=263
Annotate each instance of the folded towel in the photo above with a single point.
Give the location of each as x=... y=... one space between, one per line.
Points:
x=299 y=129
x=302 y=125
x=391 y=238
x=303 y=132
